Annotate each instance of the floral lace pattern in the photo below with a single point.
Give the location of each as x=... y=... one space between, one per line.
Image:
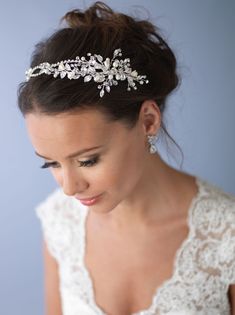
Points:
x=204 y=265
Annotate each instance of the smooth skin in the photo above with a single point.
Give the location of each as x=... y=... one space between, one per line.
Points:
x=140 y=192
x=51 y=284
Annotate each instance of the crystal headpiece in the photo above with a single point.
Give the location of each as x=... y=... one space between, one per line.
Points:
x=107 y=72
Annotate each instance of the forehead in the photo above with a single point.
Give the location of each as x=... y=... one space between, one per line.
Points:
x=66 y=133
x=61 y=126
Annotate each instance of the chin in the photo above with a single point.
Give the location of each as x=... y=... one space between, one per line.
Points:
x=104 y=208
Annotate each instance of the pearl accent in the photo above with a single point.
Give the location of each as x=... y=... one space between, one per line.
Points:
x=110 y=71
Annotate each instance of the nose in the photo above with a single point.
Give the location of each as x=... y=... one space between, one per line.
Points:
x=73 y=183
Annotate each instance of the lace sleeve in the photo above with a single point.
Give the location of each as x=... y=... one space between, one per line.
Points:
x=215 y=228
x=53 y=213
x=226 y=250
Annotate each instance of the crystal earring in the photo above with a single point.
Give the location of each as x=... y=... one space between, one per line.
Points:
x=151 y=141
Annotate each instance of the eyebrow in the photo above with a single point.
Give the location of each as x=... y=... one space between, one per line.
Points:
x=73 y=154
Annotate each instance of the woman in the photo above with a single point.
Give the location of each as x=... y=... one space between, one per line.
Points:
x=125 y=233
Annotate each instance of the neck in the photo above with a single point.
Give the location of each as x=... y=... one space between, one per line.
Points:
x=156 y=198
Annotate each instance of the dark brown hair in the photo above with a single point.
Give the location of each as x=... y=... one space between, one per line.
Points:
x=100 y=30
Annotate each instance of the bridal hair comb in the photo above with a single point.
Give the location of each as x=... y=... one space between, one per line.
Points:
x=106 y=72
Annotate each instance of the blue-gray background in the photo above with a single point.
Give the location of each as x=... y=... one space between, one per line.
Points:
x=200 y=118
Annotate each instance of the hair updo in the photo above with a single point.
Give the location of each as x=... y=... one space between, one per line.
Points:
x=100 y=30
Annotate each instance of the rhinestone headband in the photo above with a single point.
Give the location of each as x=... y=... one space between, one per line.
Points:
x=108 y=74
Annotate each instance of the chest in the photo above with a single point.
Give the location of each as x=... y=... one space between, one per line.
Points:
x=126 y=271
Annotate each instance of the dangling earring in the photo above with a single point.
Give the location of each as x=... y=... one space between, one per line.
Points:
x=151 y=141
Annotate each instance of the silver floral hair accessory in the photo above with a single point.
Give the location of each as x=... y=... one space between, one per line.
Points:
x=108 y=74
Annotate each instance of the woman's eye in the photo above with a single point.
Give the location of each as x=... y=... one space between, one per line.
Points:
x=87 y=163
x=50 y=164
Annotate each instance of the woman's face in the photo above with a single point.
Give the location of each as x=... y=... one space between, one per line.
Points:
x=112 y=166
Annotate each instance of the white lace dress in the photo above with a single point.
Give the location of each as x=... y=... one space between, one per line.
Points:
x=204 y=265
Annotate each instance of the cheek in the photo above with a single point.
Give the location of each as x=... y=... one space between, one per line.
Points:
x=118 y=172
x=132 y=168
x=57 y=174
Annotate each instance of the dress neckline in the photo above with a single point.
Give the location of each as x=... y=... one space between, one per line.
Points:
x=191 y=232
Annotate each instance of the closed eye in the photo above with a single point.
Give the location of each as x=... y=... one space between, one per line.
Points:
x=87 y=163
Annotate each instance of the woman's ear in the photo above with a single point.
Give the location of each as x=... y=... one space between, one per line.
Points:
x=150 y=117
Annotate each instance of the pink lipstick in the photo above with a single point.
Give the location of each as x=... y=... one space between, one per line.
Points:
x=89 y=201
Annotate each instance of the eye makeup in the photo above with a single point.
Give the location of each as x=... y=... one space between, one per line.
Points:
x=87 y=163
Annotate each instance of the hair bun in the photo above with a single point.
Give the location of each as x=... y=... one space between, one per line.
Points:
x=95 y=13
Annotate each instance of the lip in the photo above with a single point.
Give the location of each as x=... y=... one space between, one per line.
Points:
x=88 y=199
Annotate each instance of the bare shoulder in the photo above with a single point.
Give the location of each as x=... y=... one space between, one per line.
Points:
x=51 y=282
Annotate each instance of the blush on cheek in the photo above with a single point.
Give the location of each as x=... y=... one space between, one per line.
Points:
x=128 y=173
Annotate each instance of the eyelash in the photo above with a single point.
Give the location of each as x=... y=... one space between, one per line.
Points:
x=87 y=163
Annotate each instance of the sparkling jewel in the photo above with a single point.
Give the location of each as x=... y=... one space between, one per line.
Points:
x=110 y=71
